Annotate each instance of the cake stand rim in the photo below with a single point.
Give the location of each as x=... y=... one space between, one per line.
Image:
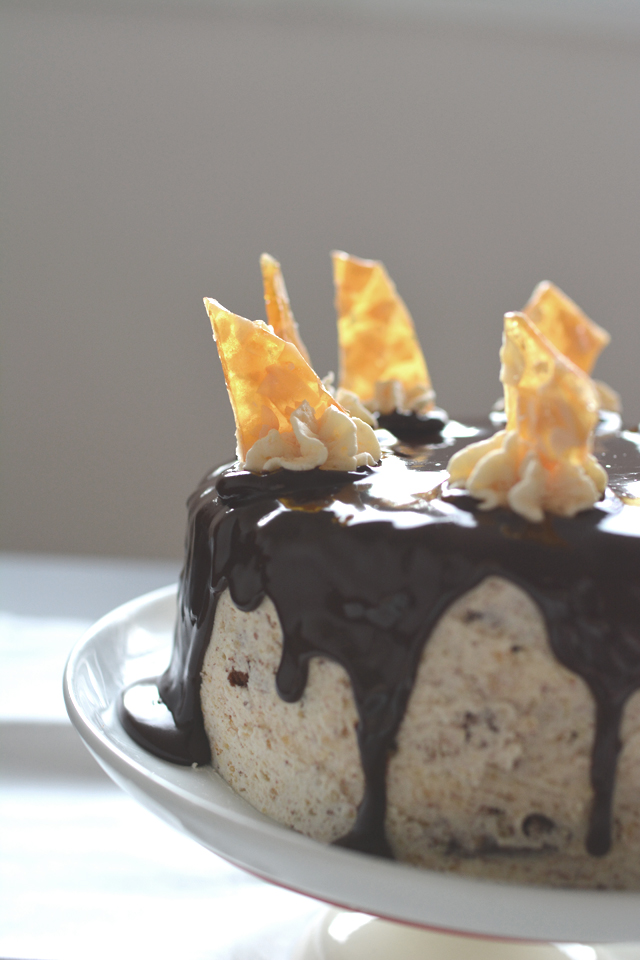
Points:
x=199 y=803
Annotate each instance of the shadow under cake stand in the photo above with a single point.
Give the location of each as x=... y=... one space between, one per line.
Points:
x=386 y=910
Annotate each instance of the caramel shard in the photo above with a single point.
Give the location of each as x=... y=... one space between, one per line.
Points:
x=276 y=300
x=547 y=400
x=377 y=339
x=608 y=398
x=566 y=326
x=266 y=377
x=542 y=460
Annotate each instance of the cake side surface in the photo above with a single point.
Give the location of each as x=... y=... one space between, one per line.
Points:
x=491 y=772
x=296 y=762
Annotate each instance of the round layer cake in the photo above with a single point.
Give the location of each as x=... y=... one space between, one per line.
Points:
x=370 y=659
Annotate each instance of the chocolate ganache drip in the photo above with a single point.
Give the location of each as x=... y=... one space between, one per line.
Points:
x=360 y=568
x=414 y=427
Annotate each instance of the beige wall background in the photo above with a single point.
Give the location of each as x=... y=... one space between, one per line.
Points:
x=151 y=153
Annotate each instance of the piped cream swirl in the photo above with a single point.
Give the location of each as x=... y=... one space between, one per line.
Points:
x=335 y=441
x=543 y=460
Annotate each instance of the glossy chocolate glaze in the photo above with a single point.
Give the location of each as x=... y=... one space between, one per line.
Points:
x=414 y=427
x=360 y=568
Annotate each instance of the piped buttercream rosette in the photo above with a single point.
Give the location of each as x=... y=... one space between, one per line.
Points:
x=285 y=417
x=542 y=461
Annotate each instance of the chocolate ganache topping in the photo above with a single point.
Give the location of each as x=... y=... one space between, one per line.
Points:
x=416 y=428
x=361 y=566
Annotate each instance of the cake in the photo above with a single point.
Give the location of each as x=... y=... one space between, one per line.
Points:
x=391 y=650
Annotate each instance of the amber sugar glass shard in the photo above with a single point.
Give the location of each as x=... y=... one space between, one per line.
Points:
x=376 y=335
x=549 y=401
x=566 y=326
x=266 y=376
x=278 y=307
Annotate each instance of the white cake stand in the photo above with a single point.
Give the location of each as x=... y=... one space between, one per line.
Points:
x=388 y=910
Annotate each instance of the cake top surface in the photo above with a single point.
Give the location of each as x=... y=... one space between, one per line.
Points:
x=409 y=488
x=288 y=418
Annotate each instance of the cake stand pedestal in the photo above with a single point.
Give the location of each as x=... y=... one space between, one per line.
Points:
x=393 y=911
x=346 y=935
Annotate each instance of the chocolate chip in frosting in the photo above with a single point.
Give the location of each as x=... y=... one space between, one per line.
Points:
x=537 y=825
x=237 y=678
x=470 y=615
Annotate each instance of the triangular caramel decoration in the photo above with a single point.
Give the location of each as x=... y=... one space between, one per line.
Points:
x=376 y=335
x=549 y=401
x=278 y=307
x=266 y=377
x=566 y=326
